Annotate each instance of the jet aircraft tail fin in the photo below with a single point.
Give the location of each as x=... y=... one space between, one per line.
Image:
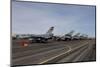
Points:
x=50 y=30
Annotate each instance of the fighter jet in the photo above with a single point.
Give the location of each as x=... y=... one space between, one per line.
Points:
x=83 y=36
x=65 y=37
x=76 y=36
x=23 y=36
x=68 y=36
x=42 y=37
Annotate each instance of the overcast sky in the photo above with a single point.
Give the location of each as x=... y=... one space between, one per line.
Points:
x=36 y=18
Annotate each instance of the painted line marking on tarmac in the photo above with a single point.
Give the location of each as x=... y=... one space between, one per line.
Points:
x=57 y=55
x=26 y=57
x=62 y=53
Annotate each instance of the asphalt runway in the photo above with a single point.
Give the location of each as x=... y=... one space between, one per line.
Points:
x=53 y=52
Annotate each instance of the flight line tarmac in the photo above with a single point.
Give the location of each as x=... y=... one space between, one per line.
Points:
x=53 y=52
